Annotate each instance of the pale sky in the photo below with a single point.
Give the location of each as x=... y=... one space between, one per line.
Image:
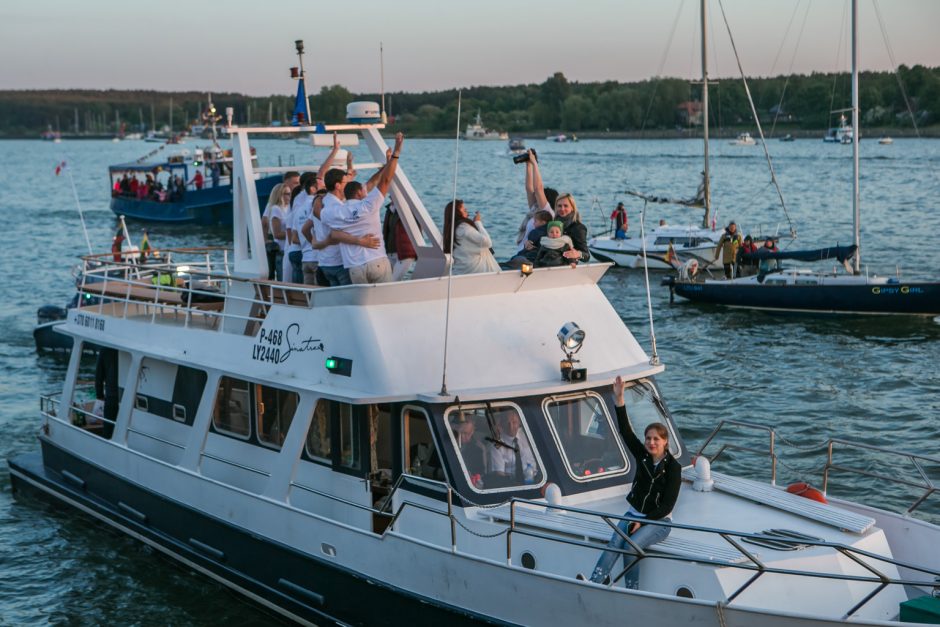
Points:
x=247 y=46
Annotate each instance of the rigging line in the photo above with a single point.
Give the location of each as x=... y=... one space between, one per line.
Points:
x=786 y=34
x=654 y=358
x=760 y=130
x=894 y=66
x=662 y=64
x=835 y=75
x=786 y=83
x=450 y=261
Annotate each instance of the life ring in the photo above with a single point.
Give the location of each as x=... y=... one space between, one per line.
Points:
x=806 y=491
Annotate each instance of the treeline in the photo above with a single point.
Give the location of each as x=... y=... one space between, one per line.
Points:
x=795 y=102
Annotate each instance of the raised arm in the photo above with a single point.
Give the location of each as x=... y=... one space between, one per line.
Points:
x=538 y=188
x=530 y=181
x=623 y=423
x=329 y=158
x=387 y=173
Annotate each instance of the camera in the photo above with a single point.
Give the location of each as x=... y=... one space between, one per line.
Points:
x=524 y=157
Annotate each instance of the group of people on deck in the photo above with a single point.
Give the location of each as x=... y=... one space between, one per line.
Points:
x=152 y=188
x=551 y=233
x=742 y=257
x=325 y=228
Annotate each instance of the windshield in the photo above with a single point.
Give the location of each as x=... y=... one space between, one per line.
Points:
x=494 y=447
x=586 y=436
x=644 y=408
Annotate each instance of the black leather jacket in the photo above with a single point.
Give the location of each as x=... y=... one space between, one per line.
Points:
x=655 y=487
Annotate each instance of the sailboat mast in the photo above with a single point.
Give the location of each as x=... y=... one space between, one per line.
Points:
x=707 y=182
x=856 y=216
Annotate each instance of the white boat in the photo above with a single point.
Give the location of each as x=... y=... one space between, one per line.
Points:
x=841 y=134
x=298 y=445
x=560 y=138
x=690 y=241
x=516 y=147
x=743 y=139
x=885 y=141
x=477 y=132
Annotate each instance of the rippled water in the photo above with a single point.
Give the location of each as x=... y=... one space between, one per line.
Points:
x=870 y=379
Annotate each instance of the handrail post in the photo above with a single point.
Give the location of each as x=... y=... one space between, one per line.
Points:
x=773 y=458
x=825 y=478
x=450 y=516
x=512 y=525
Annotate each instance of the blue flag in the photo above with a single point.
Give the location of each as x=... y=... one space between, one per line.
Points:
x=301 y=115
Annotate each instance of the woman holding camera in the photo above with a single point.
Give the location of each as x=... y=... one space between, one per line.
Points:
x=467 y=241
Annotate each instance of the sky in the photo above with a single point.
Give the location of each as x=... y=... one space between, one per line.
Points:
x=431 y=45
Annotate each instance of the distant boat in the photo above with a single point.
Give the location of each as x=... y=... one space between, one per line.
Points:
x=886 y=141
x=560 y=138
x=477 y=132
x=516 y=147
x=841 y=134
x=788 y=138
x=743 y=139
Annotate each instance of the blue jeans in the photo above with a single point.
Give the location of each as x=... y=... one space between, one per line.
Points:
x=337 y=275
x=646 y=536
x=296 y=264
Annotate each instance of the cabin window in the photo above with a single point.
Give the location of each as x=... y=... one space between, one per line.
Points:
x=99 y=386
x=318 y=438
x=643 y=408
x=494 y=447
x=275 y=411
x=232 y=412
x=586 y=435
x=420 y=454
x=169 y=390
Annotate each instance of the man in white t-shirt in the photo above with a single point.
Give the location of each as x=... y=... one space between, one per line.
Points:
x=324 y=244
x=360 y=215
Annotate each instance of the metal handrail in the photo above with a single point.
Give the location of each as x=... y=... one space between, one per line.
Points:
x=727 y=446
x=925 y=482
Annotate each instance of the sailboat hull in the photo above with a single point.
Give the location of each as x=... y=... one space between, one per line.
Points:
x=902 y=298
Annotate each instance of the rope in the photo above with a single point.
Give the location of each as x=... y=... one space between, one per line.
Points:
x=662 y=64
x=760 y=130
x=786 y=83
x=654 y=359
x=720 y=609
x=453 y=230
x=894 y=66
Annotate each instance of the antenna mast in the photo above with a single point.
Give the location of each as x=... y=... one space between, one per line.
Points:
x=450 y=264
x=382 y=81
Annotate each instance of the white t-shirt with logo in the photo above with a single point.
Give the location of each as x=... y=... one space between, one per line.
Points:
x=300 y=201
x=357 y=217
x=301 y=217
x=331 y=255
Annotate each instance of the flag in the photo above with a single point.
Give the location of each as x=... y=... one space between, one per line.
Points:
x=715 y=221
x=59 y=168
x=145 y=248
x=301 y=115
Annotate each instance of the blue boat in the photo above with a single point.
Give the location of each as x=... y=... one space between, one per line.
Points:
x=182 y=188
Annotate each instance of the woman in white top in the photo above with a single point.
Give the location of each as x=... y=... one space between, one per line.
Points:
x=470 y=252
x=272 y=222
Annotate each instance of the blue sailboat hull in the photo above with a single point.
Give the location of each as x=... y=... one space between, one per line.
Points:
x=208 y=206
x=910 y=298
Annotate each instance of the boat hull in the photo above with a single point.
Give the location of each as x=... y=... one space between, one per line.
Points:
x=907 y=298
x=208 y=206
x=48 y=339
x=296 y=585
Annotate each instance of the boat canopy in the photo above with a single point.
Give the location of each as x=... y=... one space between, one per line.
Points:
x=145 y=167
x=841 y=253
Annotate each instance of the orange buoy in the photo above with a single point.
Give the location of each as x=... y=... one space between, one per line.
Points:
x=806 y=491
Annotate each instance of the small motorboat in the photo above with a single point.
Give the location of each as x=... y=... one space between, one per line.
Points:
x=886 y=141
x=788 y=138
x=744 y=139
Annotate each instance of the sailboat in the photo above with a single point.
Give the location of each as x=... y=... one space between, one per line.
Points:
x=803 y=290
x=691 y=241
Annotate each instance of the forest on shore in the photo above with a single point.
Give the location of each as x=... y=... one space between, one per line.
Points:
x=790 y=103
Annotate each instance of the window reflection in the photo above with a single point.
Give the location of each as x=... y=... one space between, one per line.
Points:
x=494 y=447
x=643 y=408
x=586 y=435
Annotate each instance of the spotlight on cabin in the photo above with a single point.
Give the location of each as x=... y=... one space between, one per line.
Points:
x=571 y=338
x=526 y=269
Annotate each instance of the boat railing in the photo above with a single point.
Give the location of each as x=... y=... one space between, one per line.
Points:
x=79 y=414
x=735 y=539
x=919 y=479
x=729 y=446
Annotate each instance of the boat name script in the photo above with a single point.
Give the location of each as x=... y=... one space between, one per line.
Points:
x=904 y=289
x=277 y=345
x=91 y=322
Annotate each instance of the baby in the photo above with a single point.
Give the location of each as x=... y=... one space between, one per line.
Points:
x=552 y=247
